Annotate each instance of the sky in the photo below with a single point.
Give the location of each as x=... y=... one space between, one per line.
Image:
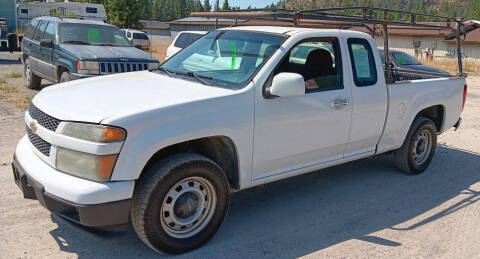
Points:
x=245 y=3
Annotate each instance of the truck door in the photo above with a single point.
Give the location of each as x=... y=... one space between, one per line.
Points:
x=46 y=53
x=304 y=131
x=369 y=94
x=35 y=47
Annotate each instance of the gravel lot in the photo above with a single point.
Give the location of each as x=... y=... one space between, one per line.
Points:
x=358 y=210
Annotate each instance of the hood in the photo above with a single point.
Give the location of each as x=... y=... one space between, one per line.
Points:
x=91 y=52
x=425 y=68
x=95 y=99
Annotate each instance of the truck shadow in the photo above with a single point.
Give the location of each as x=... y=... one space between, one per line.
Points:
x=304 y=214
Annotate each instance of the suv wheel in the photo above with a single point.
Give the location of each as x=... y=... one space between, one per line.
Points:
x=32 y=81
x=419 y=146
x=65 y=77
x=179 y=203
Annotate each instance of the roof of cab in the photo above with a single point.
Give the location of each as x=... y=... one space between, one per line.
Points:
x=72 y=20
x=290 y=30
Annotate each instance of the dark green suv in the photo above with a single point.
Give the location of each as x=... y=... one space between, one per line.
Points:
x=61 y=49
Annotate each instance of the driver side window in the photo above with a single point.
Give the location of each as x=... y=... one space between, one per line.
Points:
x=318 y=61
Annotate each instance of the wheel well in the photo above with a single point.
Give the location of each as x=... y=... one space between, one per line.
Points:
x=60 y=70
x=220 y=149
x=436 y=114
x=24 y=57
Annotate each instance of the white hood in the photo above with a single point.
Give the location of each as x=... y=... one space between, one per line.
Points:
x=95 y=99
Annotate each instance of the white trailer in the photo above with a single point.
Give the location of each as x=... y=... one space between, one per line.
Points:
x=28 y=11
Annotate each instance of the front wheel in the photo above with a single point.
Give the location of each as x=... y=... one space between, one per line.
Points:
x=64 y=77
x=179 y=203
x=419 y=146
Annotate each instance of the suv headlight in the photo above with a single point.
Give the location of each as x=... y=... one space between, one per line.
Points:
x=90 y=166
x=87 y=67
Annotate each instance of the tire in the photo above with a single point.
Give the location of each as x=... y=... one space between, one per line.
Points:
x=32 y=81
x=153 y=210
x=65 y=77
x=419 y=146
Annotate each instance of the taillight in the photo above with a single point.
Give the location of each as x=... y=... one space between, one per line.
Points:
x=464 y=95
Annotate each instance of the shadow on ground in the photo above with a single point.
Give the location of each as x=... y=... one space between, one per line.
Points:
x=304 y=214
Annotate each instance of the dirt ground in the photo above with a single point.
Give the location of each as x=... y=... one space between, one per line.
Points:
x=358 y=210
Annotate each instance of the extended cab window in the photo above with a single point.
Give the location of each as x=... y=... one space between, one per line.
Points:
x=318 y=61
x=363 y=62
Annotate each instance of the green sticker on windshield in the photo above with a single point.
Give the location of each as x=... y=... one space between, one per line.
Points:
x=401 y=60
x=233 y=45
x=93 y=35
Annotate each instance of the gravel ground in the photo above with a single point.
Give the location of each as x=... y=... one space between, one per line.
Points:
x=358 y=210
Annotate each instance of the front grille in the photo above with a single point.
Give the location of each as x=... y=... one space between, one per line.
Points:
x=40 y=144
x=43 y=119
x=119 y=67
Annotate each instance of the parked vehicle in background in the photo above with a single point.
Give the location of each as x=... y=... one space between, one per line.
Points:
x=240 y=107
x=182 y=40
x=61 y=49
x=137 y=38
x=406 y=67
x=8 y=41
x=3 y=28
x=28 y=11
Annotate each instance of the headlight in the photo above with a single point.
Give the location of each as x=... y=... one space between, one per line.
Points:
x=93 y=132
x=85 y=165
x=87 y=67
x=153 y=65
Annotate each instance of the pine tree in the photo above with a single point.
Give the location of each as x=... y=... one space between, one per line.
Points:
x=206 y=6
x=474 y=10
x=225 y=5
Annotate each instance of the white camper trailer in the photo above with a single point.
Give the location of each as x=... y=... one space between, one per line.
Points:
x=27 y=11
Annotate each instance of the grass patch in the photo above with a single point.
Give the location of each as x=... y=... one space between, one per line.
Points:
x=14 y=74
x=23 y=102
x=2 y=81
x=159 y=48
x=452 y=65
x=5 y=89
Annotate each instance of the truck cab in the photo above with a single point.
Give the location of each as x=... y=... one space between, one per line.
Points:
x=239 y=107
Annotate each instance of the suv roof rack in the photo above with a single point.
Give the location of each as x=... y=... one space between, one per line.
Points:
x=366 y=17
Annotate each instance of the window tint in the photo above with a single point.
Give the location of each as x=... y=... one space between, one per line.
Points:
x=91 y=10
x=363 y=63
x=140 y=36
x=318 y=61
x=186 y=39
x=39 y=32
x=30 y=28
x=50 y=31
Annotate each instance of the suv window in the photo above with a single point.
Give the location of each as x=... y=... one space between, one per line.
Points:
x=363 y=62
x=186 y=39
x=140 y=36
x=30 y=29
x=91 y=10
x=40 y=29
x=50 y=31
x=318 y=61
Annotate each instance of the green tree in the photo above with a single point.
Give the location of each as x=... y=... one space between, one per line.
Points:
x=225 y=5
x=217 y=5
x=124 y=13
x=206 y=6
x=474 y=10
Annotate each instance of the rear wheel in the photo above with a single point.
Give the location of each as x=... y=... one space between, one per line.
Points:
x=419 y=146
x=32 y=81
x=180 y=203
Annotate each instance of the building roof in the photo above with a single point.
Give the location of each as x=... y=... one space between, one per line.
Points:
x=148 y=24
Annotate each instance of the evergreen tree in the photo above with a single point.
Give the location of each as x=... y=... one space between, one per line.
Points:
x=225 y=5
x=474 y=10
x=206 y=6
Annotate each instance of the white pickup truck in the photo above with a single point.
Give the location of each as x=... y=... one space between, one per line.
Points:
x=240 y=107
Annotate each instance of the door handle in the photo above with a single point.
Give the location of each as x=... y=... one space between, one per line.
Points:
x=339 y=103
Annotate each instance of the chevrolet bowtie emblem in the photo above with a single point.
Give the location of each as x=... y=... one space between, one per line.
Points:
x=33 y=126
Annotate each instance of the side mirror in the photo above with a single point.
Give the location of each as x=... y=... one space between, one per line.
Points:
x=286 y=85
x=47 y=43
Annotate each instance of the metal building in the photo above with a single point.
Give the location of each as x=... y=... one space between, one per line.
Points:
x=8 y=11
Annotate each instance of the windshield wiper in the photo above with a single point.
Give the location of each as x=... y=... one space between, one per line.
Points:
x=167 y=71
x=77 y=42
x=106 y=44
x=200 y=78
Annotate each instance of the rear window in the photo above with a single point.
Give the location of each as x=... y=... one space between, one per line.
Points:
x=23 y=10
x=186 y=39
x=91 y=10
x=140 y=36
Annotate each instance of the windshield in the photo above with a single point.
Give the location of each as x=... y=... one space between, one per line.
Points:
x=92 y=34
x=227 y=59
x=404 y=59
